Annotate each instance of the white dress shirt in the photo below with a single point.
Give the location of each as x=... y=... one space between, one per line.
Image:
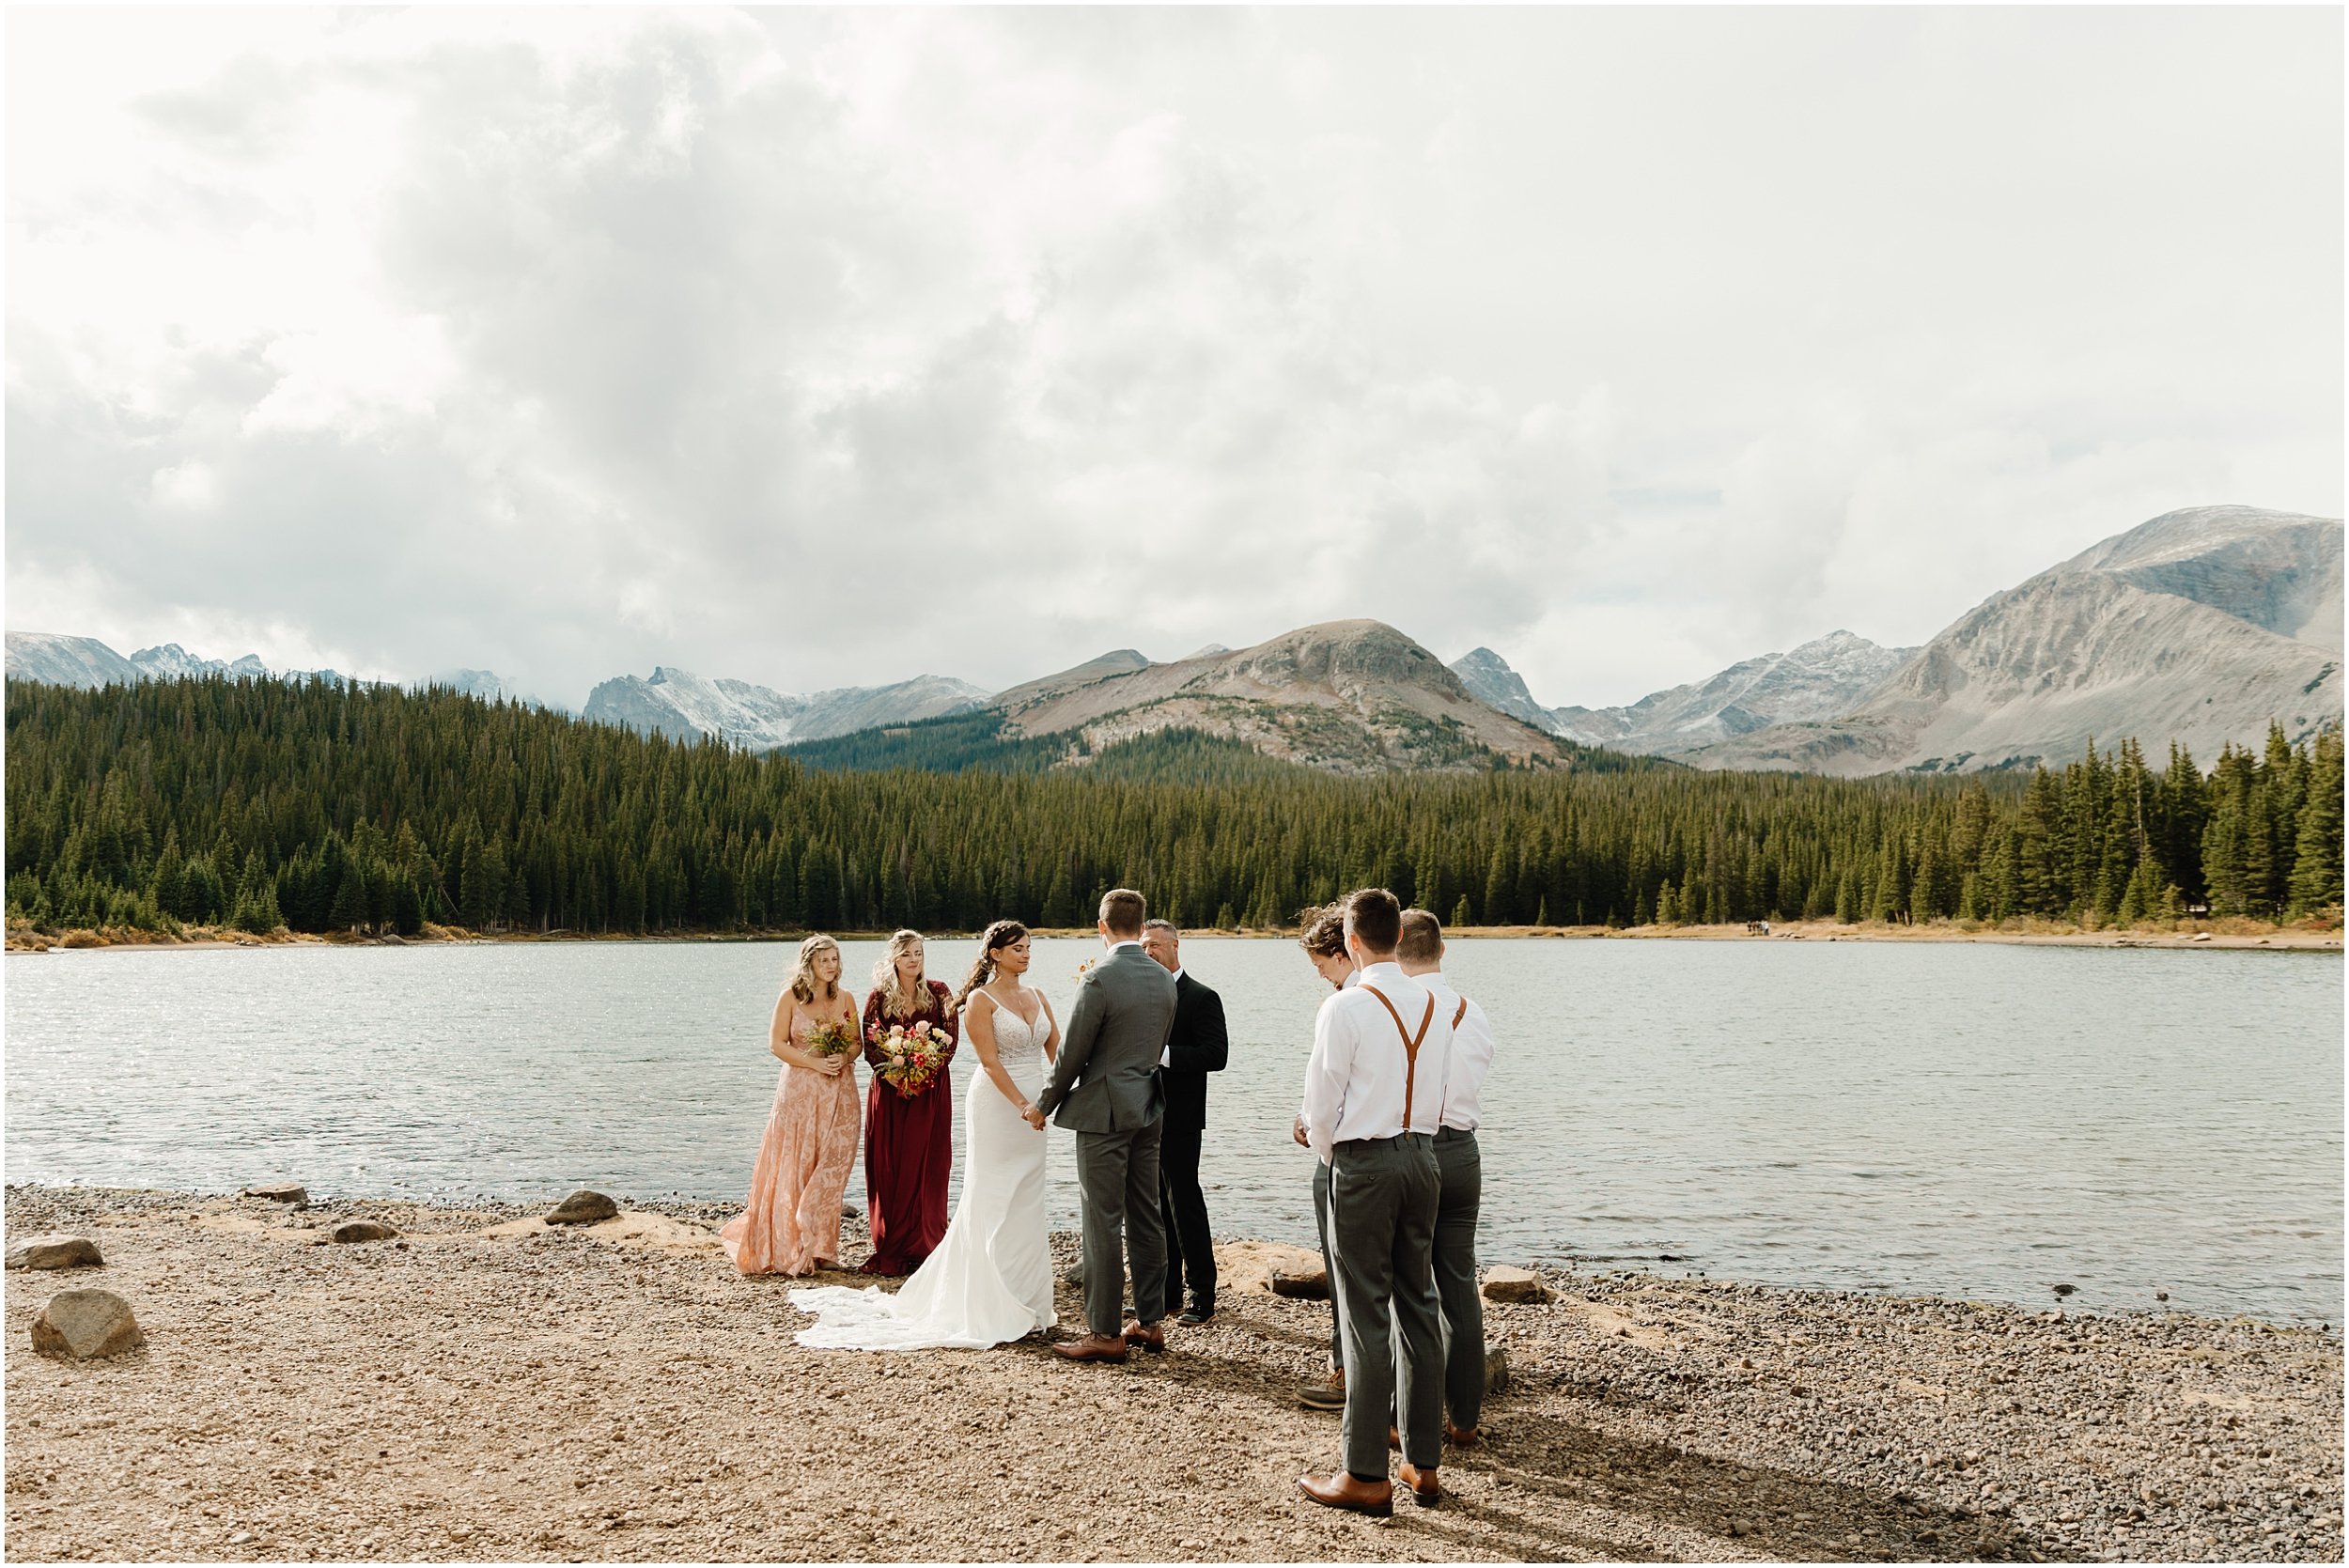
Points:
x=1166 y=1053
x=1356 y=1078
x=1471 y=1055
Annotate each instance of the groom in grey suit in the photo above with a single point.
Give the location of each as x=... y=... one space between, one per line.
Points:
x=1105 y=1086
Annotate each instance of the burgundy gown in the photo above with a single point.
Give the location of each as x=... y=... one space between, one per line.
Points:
x=909 y=1146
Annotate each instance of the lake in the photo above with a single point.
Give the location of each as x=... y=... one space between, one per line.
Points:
x=1956 y=1119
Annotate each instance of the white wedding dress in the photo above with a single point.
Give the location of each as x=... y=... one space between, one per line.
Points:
x=990 y=1279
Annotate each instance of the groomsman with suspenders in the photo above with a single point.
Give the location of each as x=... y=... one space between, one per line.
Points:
x=1374 y=1094
x=1460 y=1175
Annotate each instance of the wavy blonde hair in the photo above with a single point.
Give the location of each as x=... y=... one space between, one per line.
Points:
x=804 y=981
x=896 y=1002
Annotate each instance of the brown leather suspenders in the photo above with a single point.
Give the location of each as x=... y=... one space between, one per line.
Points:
x=1410 y=1043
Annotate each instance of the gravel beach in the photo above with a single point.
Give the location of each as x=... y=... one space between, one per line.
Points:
x=487 y=1386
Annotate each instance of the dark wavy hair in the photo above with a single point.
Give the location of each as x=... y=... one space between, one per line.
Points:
x=992 y=941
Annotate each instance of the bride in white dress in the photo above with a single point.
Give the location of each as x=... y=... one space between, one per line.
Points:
x=990 y=1279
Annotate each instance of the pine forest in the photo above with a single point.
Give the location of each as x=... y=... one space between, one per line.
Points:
x=322 y=808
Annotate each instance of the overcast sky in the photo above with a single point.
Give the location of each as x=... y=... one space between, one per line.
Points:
x=824 y=348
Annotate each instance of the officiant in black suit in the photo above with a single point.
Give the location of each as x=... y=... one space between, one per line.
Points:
x=1199 y=1044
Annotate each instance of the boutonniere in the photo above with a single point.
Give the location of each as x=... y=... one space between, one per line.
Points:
x=1086 y=968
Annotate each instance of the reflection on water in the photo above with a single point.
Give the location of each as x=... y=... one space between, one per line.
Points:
x=1982 y=1121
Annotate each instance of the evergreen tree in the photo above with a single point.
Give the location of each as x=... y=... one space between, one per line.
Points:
x=2316 y=859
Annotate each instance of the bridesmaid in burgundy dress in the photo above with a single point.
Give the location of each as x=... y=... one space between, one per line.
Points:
x=909 y=1143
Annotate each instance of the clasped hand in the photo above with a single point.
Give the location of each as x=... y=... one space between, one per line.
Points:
x=1033 y=1116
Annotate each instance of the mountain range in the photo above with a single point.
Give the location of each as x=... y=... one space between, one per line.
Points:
x=681 y=704
x=86 y=661
x=1818 y=680
x=2202 y=626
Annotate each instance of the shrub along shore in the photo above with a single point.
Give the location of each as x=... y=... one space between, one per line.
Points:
x=477 y=1383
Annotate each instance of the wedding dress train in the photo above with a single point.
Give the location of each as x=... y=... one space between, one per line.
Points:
x=990 y=1279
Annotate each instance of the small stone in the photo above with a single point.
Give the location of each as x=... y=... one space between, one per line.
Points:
x=53 y=1251
x=1301 y=1283
x=279 y=1192
x=2063 y=1290
x=849 y=1211
x=583 y=1208
x=86 y=1325
x=362 y=1230
x=1503 y=1283
x=1496 y=1370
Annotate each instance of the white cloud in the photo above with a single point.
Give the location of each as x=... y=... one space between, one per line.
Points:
x=1632 y=342
x=188 y=486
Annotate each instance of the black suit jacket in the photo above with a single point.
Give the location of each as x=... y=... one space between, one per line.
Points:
x=1198 y=1046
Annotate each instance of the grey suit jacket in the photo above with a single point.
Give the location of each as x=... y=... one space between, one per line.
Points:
x=1107 y=1077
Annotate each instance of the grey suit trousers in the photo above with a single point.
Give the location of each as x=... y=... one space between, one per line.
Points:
x=1329 y=1263
x=1383 y=1195
x=1460 y=1178
x=1117 y=1173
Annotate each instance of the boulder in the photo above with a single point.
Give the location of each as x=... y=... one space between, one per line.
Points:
x=279 y=1192
x=1300 y=1283
x=583 y=1208
x=1496 y=1370
x=1263 y=1265
x=53 y=1251
x=1505 y=1283
x=86 y=1325
x=362 y=1230
x=1073 y=1274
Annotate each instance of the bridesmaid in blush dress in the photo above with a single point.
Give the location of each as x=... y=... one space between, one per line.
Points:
x=909 y=1143
x=791 y=1224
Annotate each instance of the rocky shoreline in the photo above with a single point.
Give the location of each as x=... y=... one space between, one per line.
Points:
x=481 y=1385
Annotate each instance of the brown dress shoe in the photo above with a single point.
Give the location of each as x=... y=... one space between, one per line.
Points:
x=1093 y=1347
x=1459 y=1437
x=1342 y=1489
x=1425 y=1491
x=1150 y=1336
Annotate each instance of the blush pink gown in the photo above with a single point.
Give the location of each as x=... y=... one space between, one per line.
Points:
x=791 y=1223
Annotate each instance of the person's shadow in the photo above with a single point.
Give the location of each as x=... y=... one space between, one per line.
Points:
x=1552 y=1462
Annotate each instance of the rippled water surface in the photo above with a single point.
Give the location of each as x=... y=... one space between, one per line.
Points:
x=1959 y=1119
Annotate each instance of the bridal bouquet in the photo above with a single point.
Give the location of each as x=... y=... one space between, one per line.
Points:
x=830 y=1039
x=913 y=1055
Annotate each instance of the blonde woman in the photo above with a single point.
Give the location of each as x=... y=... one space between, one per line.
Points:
x=908 y=1140
x=791 y=1224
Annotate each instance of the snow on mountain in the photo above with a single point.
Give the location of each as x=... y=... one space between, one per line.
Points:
x=1820 y=680
x=62 y=660
x=2202 y=626
x=682 y=704
x=86 y=661
x=488 y=685
x=848 y=708
x=685 y=706
x=170 y=661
